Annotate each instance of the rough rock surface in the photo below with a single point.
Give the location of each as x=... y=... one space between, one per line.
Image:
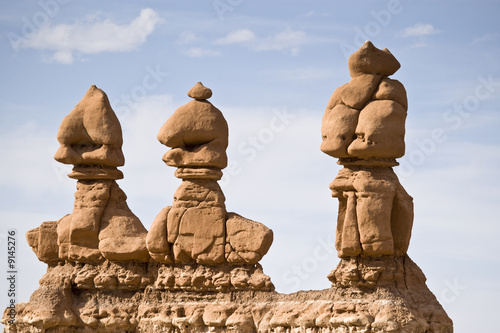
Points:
x=364 y=126
x=197 y=228
x=386 y=294
x=101 y=225
x=365 y=118
x=200 y=272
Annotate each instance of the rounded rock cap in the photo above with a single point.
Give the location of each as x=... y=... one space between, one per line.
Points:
x=370 y=60
x=200 y=92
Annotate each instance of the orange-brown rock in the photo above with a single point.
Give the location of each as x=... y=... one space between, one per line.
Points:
x=366 y=129
x=197 y=227
x=90 y=135
x=338 y=129
x=360 y=90
x=247 y=241
x=392 y=90
x=380 y=131
x=197 y=133
x=370 y=60
x=101 y=225
x=204 y=275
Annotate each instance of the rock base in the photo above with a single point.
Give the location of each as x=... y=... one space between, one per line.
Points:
x=369 y=295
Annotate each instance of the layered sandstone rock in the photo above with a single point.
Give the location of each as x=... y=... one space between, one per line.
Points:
x=101 y=226
x=364 y=126
x=197 y=228
x=197 y=269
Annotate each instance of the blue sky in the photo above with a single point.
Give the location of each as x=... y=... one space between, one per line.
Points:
x=272 y=66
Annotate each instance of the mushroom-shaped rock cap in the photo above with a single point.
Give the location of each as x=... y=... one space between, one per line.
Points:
x=198 y=133
x=200 y=92
x=370 y=60
x=91 y=133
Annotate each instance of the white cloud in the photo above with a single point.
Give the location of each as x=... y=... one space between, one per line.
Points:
x=236 y=36
x=199 y=52
x=91 y=37
x=419 y=29
x=188 y=37
x=288 y=40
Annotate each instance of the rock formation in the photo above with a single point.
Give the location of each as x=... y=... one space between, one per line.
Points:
x=197 y=228
x=364 y=126
x=197 y=268
x=101 y=225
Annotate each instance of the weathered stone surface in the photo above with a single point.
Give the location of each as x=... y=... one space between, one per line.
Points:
x=336 y=97
x=394 y=299
x=91 y=133
x=200 y=92
x=205 y=276
x=391 y=90
x=338 y=129
x=202 y=235
x=198 y=134
x=380 y=131
x=195 y=226
x=370 y=60
x=249 y=240
x=360 y=90
x=121 y=235
x=156 y=240
x=101 y=225
x=43 y=241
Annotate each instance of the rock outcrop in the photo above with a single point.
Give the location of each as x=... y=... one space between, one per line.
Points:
x=197 y=268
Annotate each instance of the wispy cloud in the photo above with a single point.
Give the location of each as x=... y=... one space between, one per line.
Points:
x=236 y=36
x=188 y=37
x=312 y=13
x=419 y=29
x=302 y=74
x=287 y=40
x=90 y=37
x=199 y=52
x=487 y=38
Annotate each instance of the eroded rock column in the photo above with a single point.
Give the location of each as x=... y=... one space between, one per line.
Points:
x=101 y=225
x=364 y=126
x=197 y=229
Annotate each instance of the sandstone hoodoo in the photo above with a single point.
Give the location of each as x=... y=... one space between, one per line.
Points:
x=197 y=229
x=197 y=268
x=364 y=127
x=101 y=226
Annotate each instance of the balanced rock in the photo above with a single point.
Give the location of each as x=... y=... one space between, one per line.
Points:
x=91 y=135
x=197 y=228
x=370 y=60
x=197 y=133
x=365 y=118
x=200 y=92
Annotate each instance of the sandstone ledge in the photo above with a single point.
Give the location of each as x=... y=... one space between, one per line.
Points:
x=385 y=294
